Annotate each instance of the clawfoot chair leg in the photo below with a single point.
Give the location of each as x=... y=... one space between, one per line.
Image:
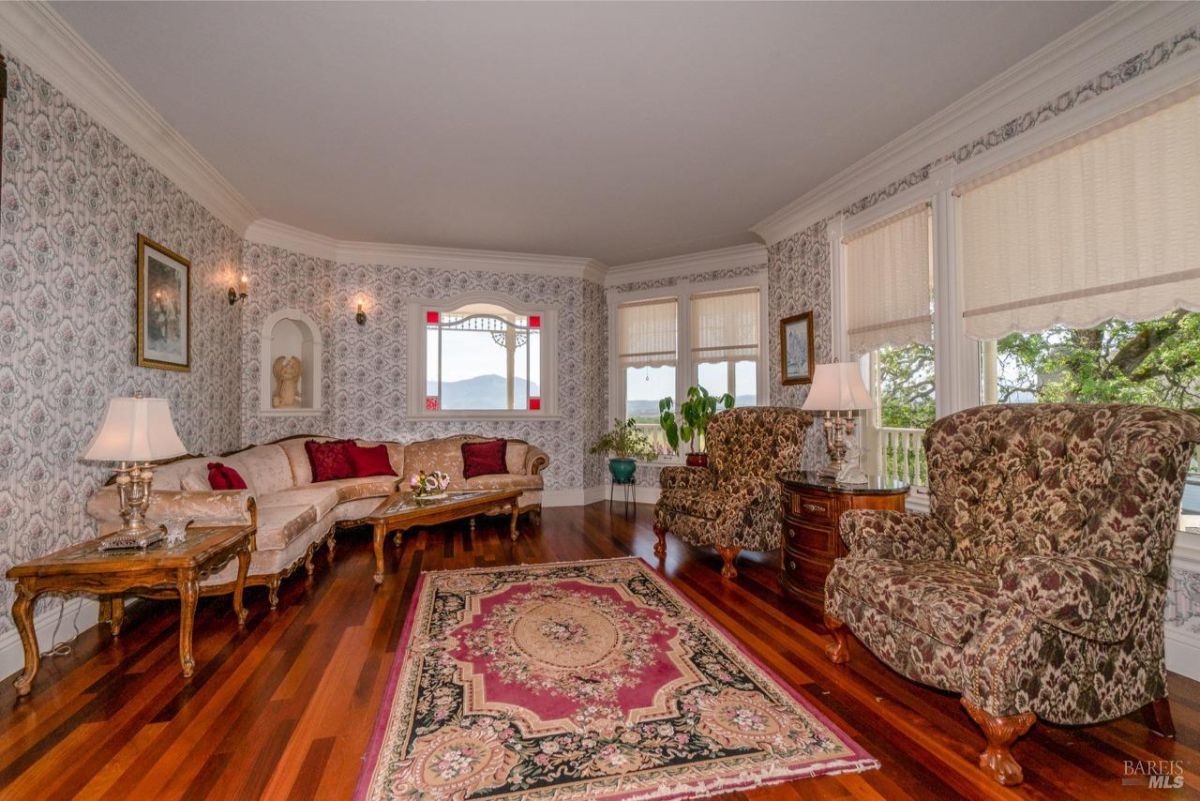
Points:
x=837 y=651
x=1157 y=715
x=660 y=547
x=1001 y=731
x=728 y=555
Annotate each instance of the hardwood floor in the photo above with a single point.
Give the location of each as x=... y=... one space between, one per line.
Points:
x=284 y=710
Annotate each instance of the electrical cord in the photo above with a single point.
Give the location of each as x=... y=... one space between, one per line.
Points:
x=63 y=648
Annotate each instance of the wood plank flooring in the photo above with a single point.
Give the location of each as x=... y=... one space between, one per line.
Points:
x=284 y=710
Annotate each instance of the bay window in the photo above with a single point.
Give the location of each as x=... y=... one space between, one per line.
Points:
x=1064 y=270
x=706 y=334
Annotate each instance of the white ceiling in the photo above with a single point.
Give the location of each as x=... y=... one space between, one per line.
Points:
x=615 y=131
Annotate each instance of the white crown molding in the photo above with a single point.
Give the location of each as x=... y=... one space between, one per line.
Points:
x=289 y=237
x=687 y=265
x=1100 y=43
x=34 y=34
x=281 y=235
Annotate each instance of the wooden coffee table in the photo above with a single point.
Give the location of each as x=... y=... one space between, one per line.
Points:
x=159 y=571
x=401 y=511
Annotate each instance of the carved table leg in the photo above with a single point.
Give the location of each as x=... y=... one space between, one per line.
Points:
x=1157 y=715
x=380 y=536
x=118 y=615
x=838 y=651
x=104 y=610
x=189 y=592
x=1001 y=731
x=660 y=547
x=239 y=585
x=728 y=555
x=512 y=526
x=22 y=612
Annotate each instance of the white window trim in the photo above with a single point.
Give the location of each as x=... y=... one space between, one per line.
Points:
x=685 y=367
x=548 y=383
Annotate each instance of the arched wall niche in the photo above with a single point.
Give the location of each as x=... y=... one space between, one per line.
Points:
x=291 y=332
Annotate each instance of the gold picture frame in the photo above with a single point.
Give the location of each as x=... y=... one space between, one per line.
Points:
x=796 y=350
x=164 y=307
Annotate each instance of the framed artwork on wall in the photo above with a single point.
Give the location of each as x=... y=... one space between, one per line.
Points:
x=164 y=307
x=796 y=348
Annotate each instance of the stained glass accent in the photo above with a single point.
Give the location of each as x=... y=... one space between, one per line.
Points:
x=432 y=403
x=432 y=317
x=535 y=321
x=535 y=403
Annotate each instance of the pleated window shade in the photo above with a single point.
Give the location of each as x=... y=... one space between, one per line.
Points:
x=889 y=289
x=725 y=326
x=1105 y=224
x=647 y=333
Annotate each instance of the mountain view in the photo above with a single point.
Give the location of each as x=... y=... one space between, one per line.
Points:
x=480 y=392
x=645 y=411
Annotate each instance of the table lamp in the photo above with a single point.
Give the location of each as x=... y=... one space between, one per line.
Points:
x=135 y=432
x=836 y=389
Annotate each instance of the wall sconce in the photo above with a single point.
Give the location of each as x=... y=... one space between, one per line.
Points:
x=239 y=292
x=360 y=316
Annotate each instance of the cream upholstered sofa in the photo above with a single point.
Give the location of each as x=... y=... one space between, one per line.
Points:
x=296 y=516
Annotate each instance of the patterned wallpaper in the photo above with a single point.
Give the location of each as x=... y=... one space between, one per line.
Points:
x=366 y=367
x=280 y=279
x=798 y=281
x=73 y=201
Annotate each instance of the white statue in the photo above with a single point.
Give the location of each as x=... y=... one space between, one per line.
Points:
x=851 y=472
x=287 y=371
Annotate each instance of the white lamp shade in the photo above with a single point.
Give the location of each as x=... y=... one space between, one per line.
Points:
x=135 y=430
x=837 y=388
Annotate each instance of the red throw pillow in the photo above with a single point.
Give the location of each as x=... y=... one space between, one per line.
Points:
x=371 y=461
x=329 y=460
x=484 y=458
x=216 y=476
x=224 y=477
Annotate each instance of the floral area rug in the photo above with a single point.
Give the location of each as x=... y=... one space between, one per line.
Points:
x=583 y=680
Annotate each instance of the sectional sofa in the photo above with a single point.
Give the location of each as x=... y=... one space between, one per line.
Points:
x=296 y=516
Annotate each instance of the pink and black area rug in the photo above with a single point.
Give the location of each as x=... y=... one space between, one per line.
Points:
x=583 y=680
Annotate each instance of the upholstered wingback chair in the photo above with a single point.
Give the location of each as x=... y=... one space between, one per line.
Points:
x=733 y=503
x=1035 y=587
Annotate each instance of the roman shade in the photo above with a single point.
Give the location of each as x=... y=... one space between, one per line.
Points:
x=725 y=326
x=647 y=333
x=889 y=270
x=1104 y=224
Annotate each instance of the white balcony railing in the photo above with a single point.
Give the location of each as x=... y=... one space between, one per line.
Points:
x=901 y=455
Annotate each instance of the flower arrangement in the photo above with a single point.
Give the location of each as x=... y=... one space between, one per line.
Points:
x=426 y=485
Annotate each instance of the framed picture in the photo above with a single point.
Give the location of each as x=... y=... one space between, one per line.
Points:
x=164 y=307
x=796 y=348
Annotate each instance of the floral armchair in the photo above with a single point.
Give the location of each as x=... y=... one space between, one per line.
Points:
x=1036 y=585
x=734 y=502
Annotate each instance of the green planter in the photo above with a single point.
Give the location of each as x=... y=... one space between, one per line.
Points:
x=622 y=470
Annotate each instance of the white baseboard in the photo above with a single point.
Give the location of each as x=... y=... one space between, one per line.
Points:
x=1183 y=652
x=12 y=655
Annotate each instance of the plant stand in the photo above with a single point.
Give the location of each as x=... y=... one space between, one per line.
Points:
x=628 y=488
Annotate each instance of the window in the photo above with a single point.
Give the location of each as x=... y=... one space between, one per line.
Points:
x=706 y=334
x=647 y=353
x=725 y=343
x=480 y=358
x=1066 y=270
x=889 y=304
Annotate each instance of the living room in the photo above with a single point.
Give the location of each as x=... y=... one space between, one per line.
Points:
x=410 y=307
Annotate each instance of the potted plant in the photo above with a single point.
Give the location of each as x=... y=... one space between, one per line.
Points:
x=696 y=411
x=626 y=443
